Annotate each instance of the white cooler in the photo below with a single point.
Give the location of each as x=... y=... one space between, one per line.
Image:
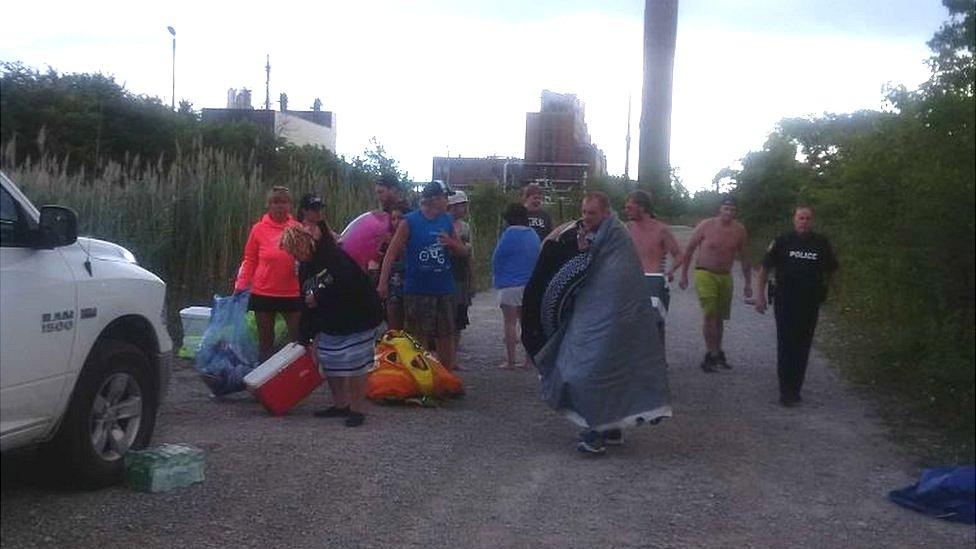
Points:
x=194 y=321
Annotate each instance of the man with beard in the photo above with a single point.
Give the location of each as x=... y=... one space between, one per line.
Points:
x=586 y=321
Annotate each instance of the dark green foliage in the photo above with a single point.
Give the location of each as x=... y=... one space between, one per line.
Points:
x=954 y=71
x=86 y=118
x=769 y=182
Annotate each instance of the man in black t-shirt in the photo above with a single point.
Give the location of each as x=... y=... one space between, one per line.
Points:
x=539 y=219
x=804 y=264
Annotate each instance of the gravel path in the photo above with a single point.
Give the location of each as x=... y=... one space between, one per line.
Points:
x=498 y=469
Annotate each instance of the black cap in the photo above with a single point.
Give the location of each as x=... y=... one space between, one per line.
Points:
x=729 y=201
x=436 y=188
x=311 y=202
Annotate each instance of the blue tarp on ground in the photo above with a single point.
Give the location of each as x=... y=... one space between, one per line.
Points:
x=944 y=492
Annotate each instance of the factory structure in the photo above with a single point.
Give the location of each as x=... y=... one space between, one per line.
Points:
x=559 y=153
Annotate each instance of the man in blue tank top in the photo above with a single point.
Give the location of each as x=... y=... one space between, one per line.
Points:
x=427 y=239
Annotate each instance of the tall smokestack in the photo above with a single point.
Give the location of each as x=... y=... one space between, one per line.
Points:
x=627 y=150
x=660 y=34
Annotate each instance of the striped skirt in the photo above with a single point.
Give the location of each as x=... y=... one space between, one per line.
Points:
x=346 y=355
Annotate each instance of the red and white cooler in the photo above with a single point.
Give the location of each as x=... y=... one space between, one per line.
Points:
x=284 y=380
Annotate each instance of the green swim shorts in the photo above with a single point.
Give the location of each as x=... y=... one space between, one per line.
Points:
x=714 y=293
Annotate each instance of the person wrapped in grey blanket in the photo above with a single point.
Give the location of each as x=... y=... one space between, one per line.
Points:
x=591 y=331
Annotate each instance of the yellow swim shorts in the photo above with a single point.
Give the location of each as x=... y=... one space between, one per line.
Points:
x=714 y=293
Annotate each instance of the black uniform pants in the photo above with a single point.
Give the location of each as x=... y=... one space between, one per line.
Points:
x=796 y=320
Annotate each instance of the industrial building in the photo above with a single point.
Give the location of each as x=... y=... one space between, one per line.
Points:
x=315 y=127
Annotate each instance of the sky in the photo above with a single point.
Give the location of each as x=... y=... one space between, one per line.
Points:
x=435 y=77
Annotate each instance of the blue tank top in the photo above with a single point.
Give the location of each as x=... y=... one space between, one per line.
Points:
x=427 y=261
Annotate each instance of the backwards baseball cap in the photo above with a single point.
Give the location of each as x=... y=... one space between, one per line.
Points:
x=729 y=201
x=436 y=188
x=457 y=198
x=311 y=202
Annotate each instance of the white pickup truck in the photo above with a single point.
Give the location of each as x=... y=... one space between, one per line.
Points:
x=85 y=357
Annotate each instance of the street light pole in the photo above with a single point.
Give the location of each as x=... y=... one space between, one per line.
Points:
x=172 y=31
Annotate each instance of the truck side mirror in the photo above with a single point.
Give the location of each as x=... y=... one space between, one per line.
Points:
x=58 y=226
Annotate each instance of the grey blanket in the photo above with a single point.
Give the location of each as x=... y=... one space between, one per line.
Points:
x=604 y=366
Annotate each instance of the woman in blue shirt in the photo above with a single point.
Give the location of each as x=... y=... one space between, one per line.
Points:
x=512 y=264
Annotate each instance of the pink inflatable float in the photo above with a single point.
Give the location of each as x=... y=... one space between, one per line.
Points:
x=363 y=237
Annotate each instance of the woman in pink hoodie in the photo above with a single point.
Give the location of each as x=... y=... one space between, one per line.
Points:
x=270 y=272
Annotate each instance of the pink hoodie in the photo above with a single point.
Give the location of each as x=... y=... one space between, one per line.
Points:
x=267 y=269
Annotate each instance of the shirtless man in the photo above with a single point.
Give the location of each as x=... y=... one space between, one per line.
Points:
x=653 y=241
x=722 y=240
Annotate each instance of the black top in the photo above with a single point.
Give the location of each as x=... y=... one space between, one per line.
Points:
x=346 y=301
x=541 y=222
x=554 y=254
x=801 y=263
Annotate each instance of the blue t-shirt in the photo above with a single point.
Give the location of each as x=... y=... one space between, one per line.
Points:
x=515 y=256
x=427 y=262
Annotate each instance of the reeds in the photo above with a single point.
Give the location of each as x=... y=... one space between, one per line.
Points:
x=188 y=222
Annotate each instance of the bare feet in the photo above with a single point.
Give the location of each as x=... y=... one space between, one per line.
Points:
x=506 y=366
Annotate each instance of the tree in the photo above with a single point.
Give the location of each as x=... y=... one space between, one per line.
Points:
x=186 y=109
x=376 y=162
x=88 y=119
x=953 y=63
x=769 y=182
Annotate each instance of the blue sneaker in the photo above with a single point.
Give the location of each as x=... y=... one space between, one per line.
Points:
x=613 y=437
x=591 y=442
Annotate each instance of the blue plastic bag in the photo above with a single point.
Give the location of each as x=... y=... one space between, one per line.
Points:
x=227 y=351
x=943 y=492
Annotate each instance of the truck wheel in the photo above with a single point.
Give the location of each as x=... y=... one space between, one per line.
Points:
x=112 y=410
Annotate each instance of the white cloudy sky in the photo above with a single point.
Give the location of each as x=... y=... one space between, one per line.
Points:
x=431 y=76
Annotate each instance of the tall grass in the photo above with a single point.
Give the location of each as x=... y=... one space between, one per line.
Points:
x=188 y=223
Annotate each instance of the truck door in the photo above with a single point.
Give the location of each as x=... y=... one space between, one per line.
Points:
x=38 y=313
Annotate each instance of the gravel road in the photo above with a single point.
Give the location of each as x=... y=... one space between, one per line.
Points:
x=497 y=469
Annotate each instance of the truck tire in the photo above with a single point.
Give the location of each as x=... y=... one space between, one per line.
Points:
x=112 y=410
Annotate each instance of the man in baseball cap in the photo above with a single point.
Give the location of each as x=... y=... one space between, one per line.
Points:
x=434 y=189
x=428 y=241
x=310 y=202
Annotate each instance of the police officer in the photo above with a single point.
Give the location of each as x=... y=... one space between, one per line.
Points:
x=804 y=263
